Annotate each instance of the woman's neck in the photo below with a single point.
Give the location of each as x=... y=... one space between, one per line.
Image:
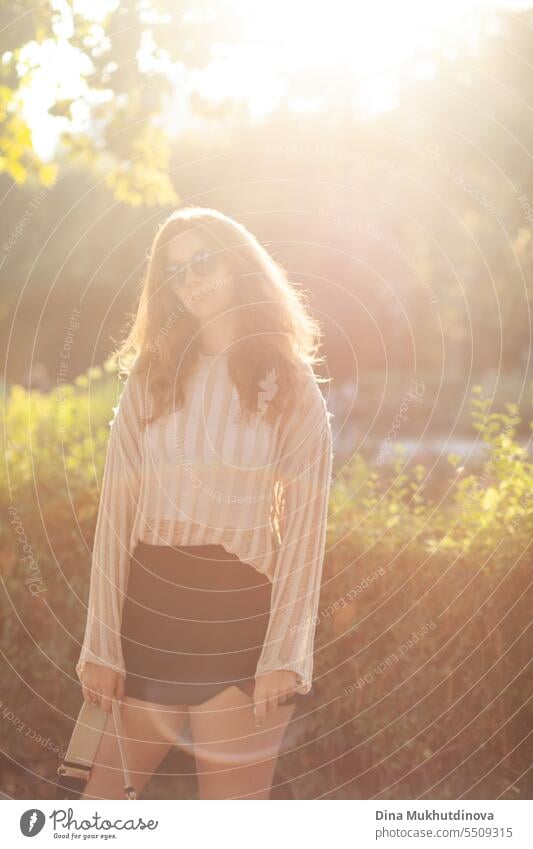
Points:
x=217 y=339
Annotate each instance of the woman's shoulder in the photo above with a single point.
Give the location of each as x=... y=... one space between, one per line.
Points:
x=309 y=402
x=134 y=393
x=310 y=386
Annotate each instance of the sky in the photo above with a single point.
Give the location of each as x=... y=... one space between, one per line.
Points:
x=364 y=45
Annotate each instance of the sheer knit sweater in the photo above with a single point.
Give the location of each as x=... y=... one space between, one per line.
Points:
x=198 y=476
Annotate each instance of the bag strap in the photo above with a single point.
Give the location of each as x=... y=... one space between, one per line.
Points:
x=129 y=789
x=76 y=768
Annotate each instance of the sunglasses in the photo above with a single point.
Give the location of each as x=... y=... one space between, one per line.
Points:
x=202 y=264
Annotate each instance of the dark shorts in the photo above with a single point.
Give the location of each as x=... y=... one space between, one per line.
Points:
x=194 y=622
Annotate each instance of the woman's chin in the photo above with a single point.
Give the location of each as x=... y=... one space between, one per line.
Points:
x=197 y=309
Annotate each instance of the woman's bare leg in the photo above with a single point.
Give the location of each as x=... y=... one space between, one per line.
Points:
x=234 y=759
x=149 y=731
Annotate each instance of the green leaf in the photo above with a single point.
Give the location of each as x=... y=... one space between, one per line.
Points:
x=490 y=499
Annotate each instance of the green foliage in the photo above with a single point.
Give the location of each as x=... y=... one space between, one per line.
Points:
x=126 y=96
x=495 y=507
x=55 y=442
x=373 y=509
x=482 y=510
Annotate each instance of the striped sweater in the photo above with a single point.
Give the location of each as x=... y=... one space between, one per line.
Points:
x=200 y=476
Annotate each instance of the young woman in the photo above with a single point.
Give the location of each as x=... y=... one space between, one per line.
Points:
x=211 y=527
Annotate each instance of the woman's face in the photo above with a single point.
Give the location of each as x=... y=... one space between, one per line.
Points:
x=200 y=276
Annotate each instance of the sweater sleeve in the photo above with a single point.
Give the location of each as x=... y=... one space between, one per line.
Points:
x=112 y=541
x=306 y=459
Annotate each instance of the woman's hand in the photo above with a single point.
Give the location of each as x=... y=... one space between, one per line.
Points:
x=100 y=685
x=272 y=690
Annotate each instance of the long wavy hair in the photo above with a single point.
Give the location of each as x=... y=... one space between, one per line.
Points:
x=275 y=328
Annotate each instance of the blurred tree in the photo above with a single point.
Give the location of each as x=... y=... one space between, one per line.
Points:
x=118 y=59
